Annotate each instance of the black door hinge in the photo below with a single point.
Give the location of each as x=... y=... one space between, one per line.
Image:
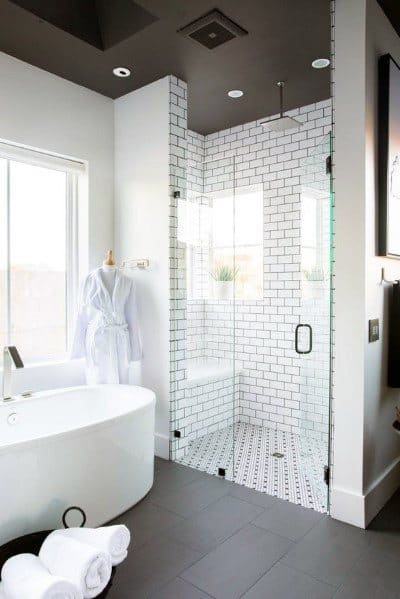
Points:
x=327 y=475
x=329 y=165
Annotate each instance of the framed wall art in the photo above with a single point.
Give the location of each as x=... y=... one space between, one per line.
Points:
x=389 y=157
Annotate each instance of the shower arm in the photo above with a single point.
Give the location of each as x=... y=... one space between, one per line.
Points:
x=281 y=85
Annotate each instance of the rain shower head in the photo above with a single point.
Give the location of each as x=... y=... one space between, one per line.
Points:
x=282 y=122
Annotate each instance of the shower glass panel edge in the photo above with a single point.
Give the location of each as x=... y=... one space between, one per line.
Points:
x=206 y=392
x=314 y=329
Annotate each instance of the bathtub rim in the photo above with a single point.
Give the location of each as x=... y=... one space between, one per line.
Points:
x=22 y=445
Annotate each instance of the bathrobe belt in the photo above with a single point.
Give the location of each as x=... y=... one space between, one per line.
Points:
x=117 y=330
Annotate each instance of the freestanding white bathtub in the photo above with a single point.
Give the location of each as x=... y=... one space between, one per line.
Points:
x=91 y=447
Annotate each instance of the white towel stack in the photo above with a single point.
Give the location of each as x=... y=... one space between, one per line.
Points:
x=25 y=577
x=110 y=539
x=74 y=563
x=87 y=567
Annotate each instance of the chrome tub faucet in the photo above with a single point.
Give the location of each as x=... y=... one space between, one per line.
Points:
x=10 y=356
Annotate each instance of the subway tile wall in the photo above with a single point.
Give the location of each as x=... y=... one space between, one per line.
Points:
x=273 y=390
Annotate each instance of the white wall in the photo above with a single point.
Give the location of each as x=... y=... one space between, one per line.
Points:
x=43 y=111
x=381 y=444
x=350 y=319
x=366 y=451
x=40 y=110
x=141 y=228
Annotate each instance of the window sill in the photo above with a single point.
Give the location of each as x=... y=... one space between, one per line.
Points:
x=47 y=363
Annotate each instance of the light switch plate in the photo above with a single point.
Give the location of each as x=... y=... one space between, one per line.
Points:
x=373 y=330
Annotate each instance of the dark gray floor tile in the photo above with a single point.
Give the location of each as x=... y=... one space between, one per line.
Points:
x=288 y=520
x=215 y=523
x=386 y=541
x=179 y=589
x=328 y=551
x=366 y=589
x=150 y=568
x=172 y=477
x=282 y=582
x=235 y=565
x=160 y=463
x=147 y=520
x=389 y=517
x=375 y=575
x=384 y=530
x=192 y=497
x=252 y=496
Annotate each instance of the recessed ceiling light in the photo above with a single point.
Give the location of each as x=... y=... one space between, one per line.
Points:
x=235 y=93
x=121 y=72
x=321 y=63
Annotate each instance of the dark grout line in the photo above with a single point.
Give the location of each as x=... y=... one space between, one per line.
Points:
x=308 y=574
x=196 y=587
x=274 y=533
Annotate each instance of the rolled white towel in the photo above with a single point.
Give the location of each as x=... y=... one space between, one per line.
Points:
x=25 y=577
x=86 y=566
x=111 y=539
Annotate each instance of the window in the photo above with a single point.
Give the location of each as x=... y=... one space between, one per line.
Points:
x=38 y=195
x=194 y=233
x=237 y=239
x=223 y=230
x=314 y=232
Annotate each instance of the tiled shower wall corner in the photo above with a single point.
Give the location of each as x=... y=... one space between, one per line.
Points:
x=177 y=182
x=272 y=390
x=199 y=256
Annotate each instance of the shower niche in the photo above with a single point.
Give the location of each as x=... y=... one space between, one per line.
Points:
x=250 y=391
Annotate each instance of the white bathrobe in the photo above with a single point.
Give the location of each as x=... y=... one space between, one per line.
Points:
x=107 y=331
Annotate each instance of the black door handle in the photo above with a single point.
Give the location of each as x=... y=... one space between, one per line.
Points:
x=296 y=339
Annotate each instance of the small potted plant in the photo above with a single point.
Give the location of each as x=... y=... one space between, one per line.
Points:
x=315 y=286
x=224 y=277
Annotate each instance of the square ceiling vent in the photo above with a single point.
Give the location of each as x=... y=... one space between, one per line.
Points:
x=213 y=30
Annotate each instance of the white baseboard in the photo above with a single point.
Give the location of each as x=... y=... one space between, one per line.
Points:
x=347 y=507
x=360 y=509
x=381 y=490
x=161 y=446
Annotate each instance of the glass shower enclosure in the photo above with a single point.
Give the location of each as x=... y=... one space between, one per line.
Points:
x=251 y=399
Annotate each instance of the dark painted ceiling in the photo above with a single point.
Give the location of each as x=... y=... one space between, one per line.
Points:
x=83 y=40
x=392 y=10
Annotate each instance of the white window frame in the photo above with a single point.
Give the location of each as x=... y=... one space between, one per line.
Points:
x=315 y=194
x=234 y=193
x=74 y=169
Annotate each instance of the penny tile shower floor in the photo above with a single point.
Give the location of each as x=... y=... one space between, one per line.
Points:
x=294 y=473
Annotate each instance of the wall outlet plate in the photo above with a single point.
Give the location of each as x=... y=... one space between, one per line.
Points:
x=373 y=329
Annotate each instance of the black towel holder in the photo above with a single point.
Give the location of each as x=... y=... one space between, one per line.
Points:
x=78 y=509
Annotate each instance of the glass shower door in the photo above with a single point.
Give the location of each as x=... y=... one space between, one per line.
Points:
x=313 y=332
